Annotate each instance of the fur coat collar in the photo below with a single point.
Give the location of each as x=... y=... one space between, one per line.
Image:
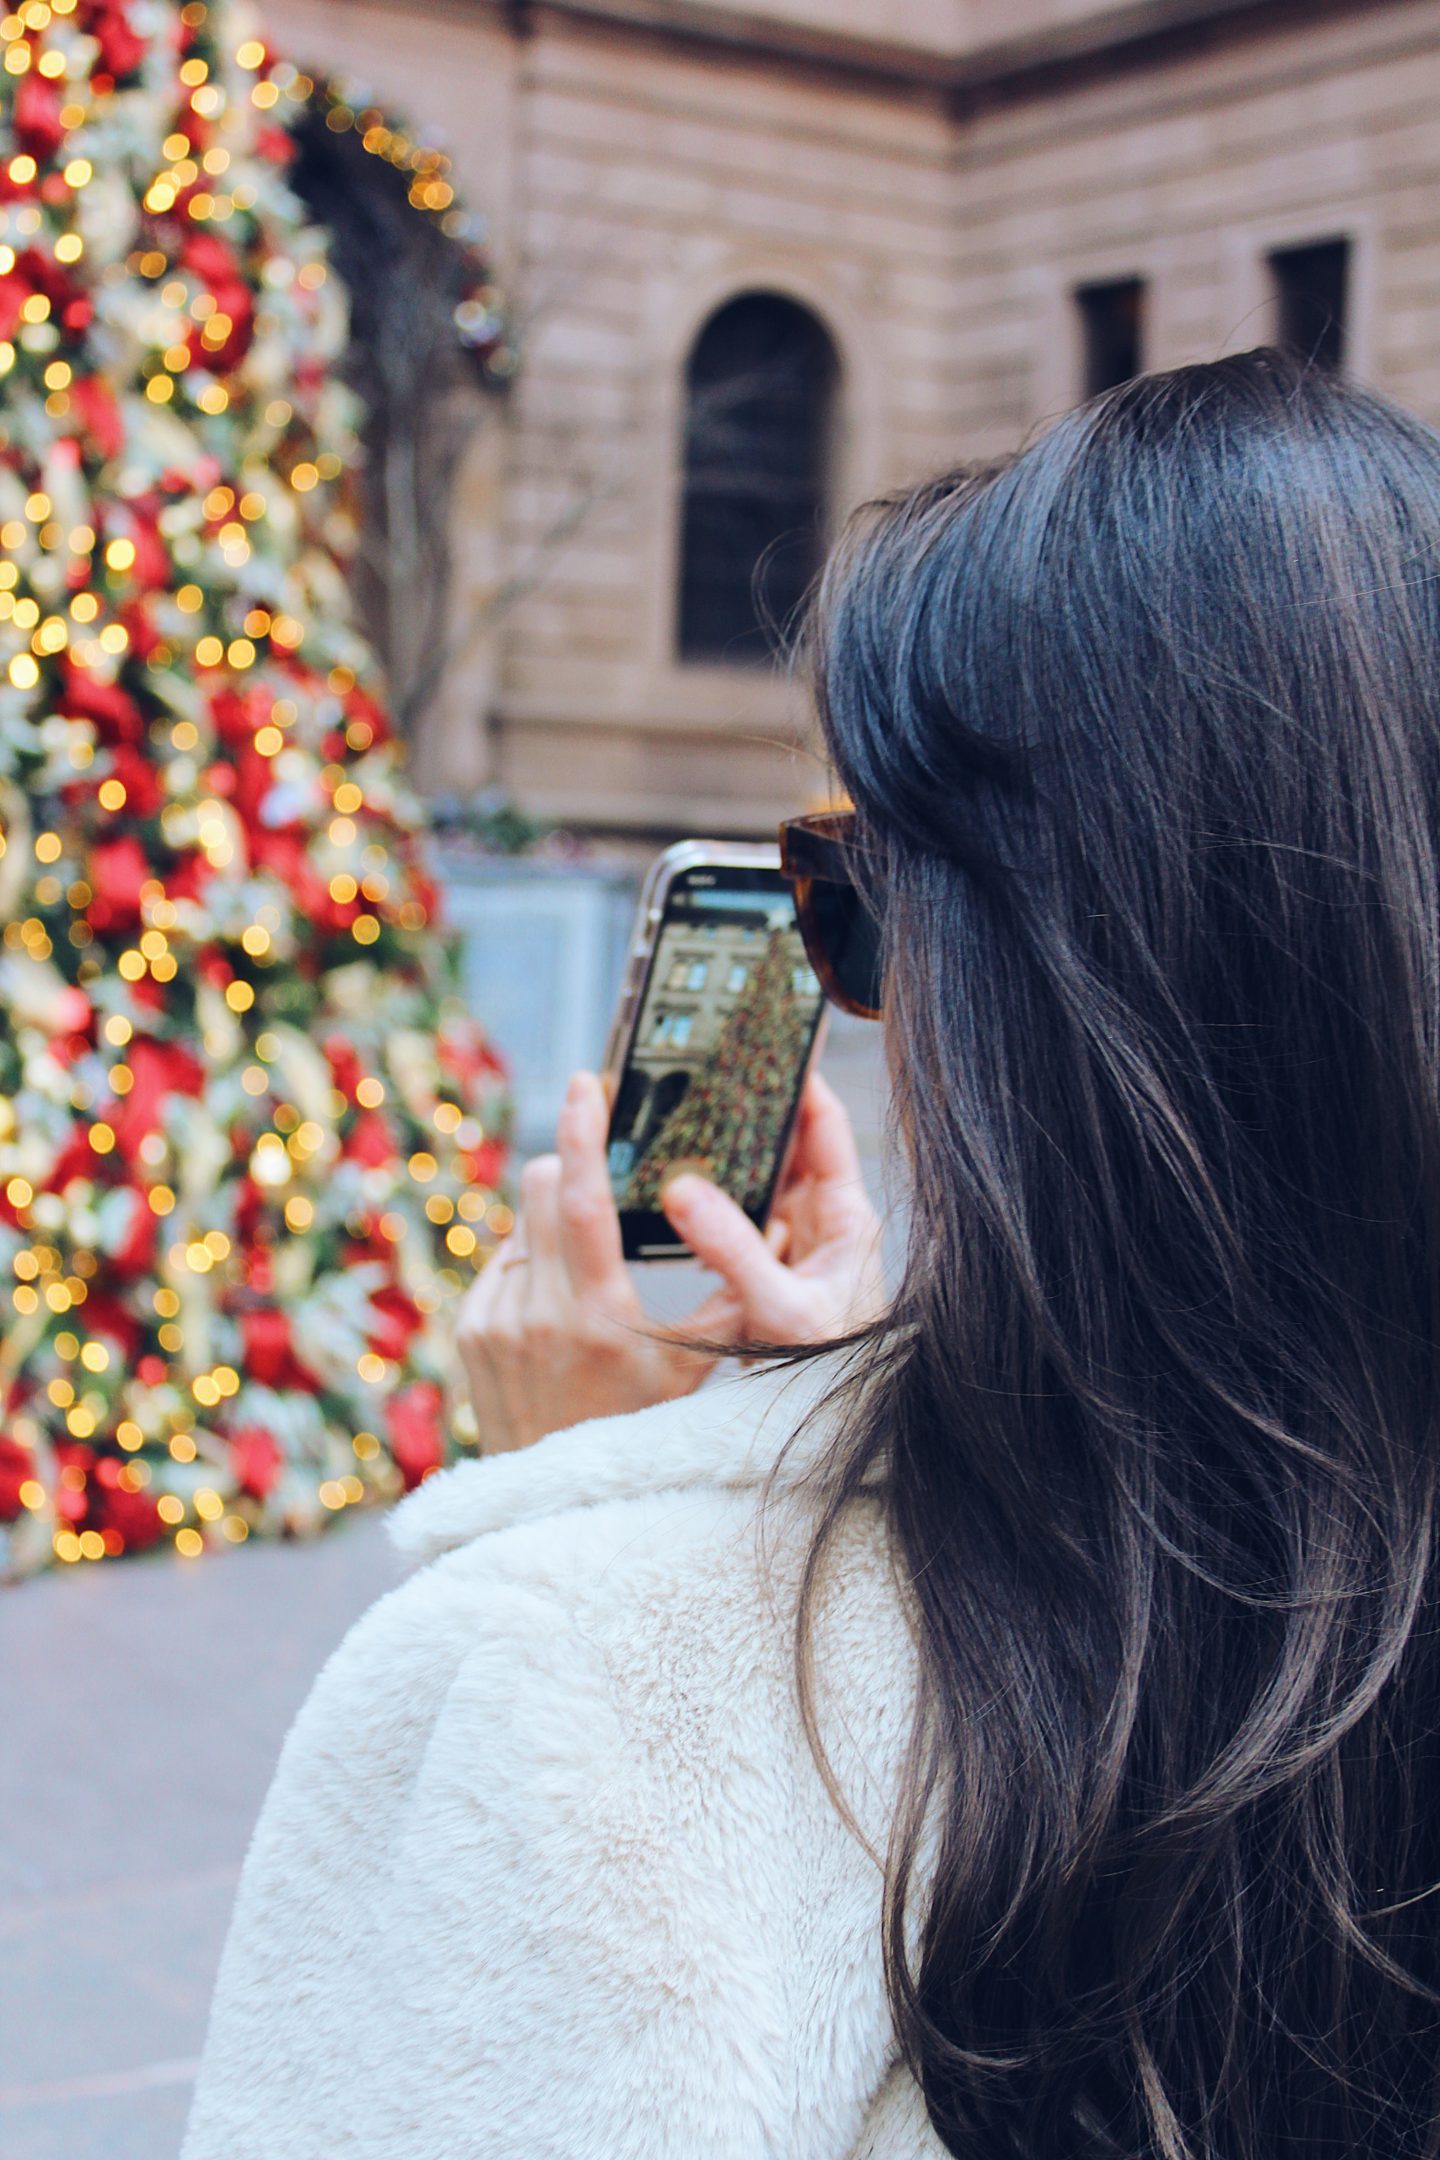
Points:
x=547 y=1871
x=732 y=1435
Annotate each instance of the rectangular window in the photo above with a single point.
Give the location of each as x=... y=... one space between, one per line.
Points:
x=1311 y=288
x=1112 y=333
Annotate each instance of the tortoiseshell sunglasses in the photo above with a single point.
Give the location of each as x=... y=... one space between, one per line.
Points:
x=842 y=937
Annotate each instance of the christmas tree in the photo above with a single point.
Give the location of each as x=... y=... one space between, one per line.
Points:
x=248 y=1143
x=731 y=1118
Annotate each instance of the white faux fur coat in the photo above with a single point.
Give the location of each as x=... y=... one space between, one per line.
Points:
x=547 y=1871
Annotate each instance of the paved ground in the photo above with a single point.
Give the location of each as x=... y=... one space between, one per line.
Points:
x=141 y=1708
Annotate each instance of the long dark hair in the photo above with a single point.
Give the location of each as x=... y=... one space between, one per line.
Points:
x=1143 y=729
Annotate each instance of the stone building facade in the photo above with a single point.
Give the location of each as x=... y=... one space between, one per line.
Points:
x=989 y=205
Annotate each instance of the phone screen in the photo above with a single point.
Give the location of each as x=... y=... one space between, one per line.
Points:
x=723 y=1037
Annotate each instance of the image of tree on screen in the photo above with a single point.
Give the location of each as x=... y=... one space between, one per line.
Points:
x=730 y=1120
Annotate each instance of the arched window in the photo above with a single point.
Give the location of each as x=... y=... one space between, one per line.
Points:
x=760 y=390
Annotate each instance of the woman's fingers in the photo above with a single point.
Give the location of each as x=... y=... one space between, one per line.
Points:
x=825 y=1146
x=537 y=1231
x=588 y=1222
x=547 y=1333
x=486 y=1331
x=722 y=1236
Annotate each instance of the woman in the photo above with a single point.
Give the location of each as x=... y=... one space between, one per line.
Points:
x=1037 y=1754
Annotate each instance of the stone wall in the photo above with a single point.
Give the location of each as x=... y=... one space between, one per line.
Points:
x=633 y=186
x=928 y=25
x=1188 y=172
x=656 y=184
x=936 y=218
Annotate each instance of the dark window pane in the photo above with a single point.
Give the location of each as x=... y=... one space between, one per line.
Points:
x=760 y=393
x=1112 y=323
x=1310 y=293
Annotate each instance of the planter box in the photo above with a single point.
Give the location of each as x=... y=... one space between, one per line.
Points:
x=543 y=952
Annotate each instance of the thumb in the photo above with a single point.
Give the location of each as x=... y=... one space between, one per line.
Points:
x=722 y=1236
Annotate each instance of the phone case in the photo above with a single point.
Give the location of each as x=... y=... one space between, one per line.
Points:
x=683 y=855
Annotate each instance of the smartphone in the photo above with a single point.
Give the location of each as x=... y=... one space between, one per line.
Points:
x=718 y=1022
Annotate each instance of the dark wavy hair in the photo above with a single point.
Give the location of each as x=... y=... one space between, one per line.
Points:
x=1143 y=728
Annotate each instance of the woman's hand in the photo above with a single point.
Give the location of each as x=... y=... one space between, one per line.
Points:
x=816 y=1273
x=552 y=1331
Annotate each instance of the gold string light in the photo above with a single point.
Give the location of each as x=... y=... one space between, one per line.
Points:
x=479 y=316
x=47 y=1280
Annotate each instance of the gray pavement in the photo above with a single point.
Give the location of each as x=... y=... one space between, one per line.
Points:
x=142 y=1707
